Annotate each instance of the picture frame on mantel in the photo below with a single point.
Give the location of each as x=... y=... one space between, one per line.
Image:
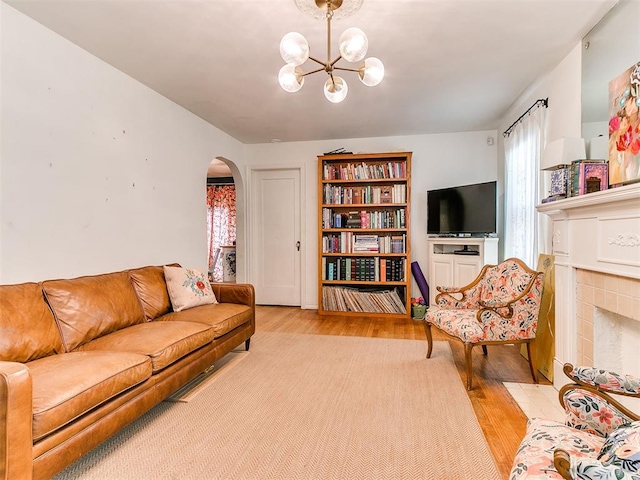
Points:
x=624 y=127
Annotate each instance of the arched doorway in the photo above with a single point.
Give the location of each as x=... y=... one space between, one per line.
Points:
x=221 y=225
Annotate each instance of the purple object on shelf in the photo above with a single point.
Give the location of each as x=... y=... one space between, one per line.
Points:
x=421 y=281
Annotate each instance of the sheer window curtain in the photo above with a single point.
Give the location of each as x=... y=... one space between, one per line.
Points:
x=221 y=223
x=523 y=189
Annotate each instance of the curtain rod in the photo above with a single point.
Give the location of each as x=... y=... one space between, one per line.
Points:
x=543 y=102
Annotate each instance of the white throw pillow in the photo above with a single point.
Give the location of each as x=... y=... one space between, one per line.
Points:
x=188 y=288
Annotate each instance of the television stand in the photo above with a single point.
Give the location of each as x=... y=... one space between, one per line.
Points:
x=456 y=262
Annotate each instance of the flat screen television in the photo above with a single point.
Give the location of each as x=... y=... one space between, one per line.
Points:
x=467 y=209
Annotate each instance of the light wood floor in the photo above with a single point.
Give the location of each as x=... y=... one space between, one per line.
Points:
x=501 y=419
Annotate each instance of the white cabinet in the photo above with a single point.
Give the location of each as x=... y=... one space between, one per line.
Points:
x=456 y=262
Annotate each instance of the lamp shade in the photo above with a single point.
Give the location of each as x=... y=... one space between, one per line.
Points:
x=353 y=44
x=290 y=78
x=335 y=90
x=294 y=48
x=599 y=148
x=562 y=152
x=371 y=71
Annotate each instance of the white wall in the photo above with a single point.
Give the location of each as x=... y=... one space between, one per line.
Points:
x=98 y=172
x=438 y=161
x=562 y=86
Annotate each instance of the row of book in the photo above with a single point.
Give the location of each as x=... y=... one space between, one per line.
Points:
x=349 y=242
x=360 y=269
x=364 y=219
x=340 y=195
x=582 y=176
x=343 y=299
x=364 y=171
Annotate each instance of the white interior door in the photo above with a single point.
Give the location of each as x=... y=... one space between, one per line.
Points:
x=275 y=236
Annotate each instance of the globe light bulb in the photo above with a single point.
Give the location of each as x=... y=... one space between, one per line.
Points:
x=353 y=44
x=335 y=90
x=290 y=78
x=294 y=48
x=371 y=71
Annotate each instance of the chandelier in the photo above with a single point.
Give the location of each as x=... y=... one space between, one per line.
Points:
x=352 y=45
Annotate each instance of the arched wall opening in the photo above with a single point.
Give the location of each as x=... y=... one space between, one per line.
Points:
x=224 y=172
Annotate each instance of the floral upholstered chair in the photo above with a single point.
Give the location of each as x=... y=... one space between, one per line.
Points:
x=600 y=439
x=499 y=307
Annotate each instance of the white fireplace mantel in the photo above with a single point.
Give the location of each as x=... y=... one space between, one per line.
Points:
x=597 y=232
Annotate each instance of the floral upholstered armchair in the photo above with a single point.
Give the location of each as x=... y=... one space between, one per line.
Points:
x=500 y=306
x=600 y=439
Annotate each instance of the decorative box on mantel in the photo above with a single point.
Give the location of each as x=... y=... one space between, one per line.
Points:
x=588 y=176
x=560 y=181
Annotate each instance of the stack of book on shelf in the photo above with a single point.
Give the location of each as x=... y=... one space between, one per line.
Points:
x=353 y=220
x=364 y=171
x=399 y=193
x=364 y=219
x=587 y=176
x=341 y=299
x=582 y=176
x=365 y=243
x=341 y=195
x=394 y=244
x=351 y=242
x=331 y=219
x=364 y=269
x=382 y=218
x=338 y=243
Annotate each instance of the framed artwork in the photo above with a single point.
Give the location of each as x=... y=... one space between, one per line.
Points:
x=624 y=127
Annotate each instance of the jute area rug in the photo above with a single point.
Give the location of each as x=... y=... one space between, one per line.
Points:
x=309 y=407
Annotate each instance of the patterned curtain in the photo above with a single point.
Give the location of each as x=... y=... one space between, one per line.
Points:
x=221 y=223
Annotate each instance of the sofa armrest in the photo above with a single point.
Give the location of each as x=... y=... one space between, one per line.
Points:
x=240 y=293
x=16 y=416
x=604 y=380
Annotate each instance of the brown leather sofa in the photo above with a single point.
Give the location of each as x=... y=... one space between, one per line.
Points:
x=82 y=358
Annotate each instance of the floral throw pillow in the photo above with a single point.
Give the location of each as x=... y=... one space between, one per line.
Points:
x=622 y=448
x=188 y=288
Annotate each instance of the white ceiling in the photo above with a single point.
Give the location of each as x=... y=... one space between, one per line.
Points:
x=451 y=65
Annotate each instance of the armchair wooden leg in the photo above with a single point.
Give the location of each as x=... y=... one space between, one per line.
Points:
x=427 y=329
x=562 y=462
x=532 y=363
x=467 y=358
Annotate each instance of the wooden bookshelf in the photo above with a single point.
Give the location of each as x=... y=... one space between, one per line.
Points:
x=364 y=244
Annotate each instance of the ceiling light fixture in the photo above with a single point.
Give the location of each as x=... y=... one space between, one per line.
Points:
x=353 y=45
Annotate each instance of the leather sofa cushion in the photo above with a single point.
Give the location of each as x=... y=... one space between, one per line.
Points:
x=88 y=307
x=68 y=385
x=163 y=343
x=151 y=288
x=222 y=317
x=28 y=330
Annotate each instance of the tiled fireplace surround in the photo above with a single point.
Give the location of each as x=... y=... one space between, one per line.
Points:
x=602 y=294
x=596 y=244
